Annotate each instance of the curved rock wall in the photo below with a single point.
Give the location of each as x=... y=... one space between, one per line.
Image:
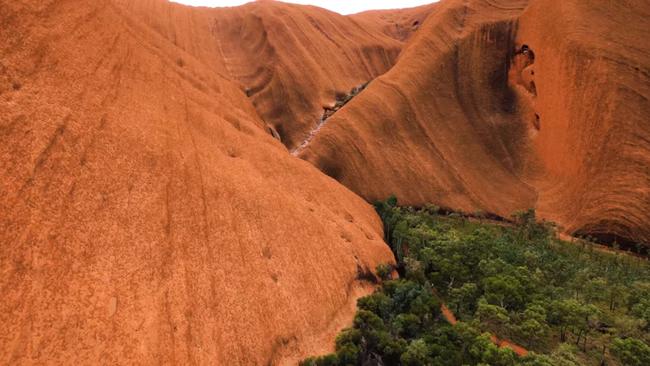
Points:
x=147 y=216
x=441 y=126
x=503 y=105
x=592 y=74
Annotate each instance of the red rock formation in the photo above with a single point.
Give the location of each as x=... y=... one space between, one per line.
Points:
x=148 y=214
x=290 y=60
x=592 y=75
x=468 y=120
x=440 y=126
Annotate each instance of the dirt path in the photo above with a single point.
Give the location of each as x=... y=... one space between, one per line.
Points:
x=449 y=316
x=504 y=343
x=501 y=343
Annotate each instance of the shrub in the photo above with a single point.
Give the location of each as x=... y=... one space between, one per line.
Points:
x=384 y=271
x=328 y=360
x=631 y=351
x=516 y=281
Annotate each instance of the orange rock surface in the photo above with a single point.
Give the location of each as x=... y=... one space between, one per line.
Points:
x=592 y=74
x=503 y=105
x=151 y=210
x=434 y=128
x=146 y=214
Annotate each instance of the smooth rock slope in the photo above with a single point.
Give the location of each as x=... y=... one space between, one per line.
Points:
x=151 y=210
x=498 y=106
x=146 y=214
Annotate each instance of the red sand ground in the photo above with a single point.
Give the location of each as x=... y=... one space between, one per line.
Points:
x=449 y=316
x=149 y=215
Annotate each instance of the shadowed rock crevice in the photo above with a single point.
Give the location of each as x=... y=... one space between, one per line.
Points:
x=289 y=67
x=341 y=100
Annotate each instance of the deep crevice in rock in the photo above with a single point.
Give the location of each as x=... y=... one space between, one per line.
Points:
x=341 y=100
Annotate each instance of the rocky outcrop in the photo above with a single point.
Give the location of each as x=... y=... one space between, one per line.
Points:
x=503 y=105
x=442 y=125
x=328 y=111
x=592 y=79
x=151 y=211
x=146 y=213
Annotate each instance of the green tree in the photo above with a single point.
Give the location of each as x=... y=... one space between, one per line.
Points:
x=616 y=294
x=379 y=303
x=328 y=360
x=407 y=325
x=564 y=314
x=493 y=317
x=595 y=290
x=348 y=354
x=642 y=311
x=585 y=321
x=505 y=291
x=348 y=336
x=565 y=355
x=534 y=359
x=384 y=271
x=414 y=270
x=638 y=302
x=532 y=325
x=486 y=352
x=631 y=351
x=464 y=298
x=417 y=354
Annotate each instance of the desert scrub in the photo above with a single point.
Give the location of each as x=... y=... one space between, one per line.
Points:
x=567 y=304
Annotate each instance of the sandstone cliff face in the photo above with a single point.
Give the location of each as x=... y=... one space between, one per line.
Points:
x=149 y=212
x=592 y=75
x=503 y=105
x=290 y=60
x=146 y=214
x=441 y=126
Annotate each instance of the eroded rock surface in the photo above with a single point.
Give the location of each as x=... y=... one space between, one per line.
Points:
x=146 y=213
x=502 y=105
x=151 y=211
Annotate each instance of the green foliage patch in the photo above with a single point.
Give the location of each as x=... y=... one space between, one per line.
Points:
x=567 y=304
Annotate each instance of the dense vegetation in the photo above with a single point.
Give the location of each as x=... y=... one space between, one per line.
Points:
x=567 y=304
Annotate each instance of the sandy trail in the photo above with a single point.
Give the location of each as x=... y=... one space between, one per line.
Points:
x=502 y=343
